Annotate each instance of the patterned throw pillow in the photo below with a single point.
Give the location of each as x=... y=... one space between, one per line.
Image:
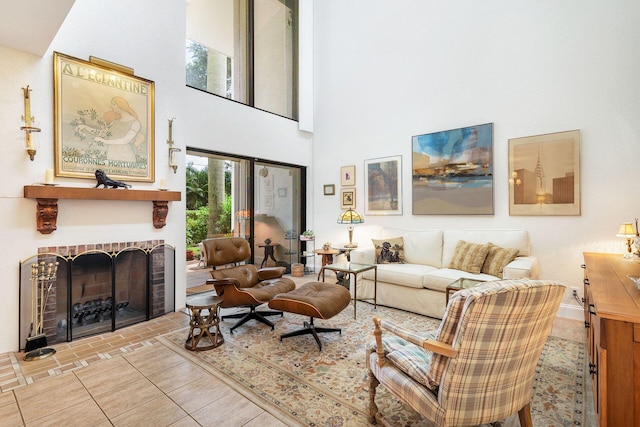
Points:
x=469 y=257
x=389 y=251
x=497 y=259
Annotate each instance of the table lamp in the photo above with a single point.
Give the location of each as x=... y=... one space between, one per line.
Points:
x=350 y=217
x=626 y=230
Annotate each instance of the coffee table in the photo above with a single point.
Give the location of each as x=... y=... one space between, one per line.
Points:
x=353 y=268
x=459 y=284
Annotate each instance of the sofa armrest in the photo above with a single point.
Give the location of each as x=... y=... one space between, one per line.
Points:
x=521 y=267
x=362 y=256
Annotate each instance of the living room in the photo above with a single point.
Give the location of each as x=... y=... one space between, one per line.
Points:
x=547 y=85
x=383 y=72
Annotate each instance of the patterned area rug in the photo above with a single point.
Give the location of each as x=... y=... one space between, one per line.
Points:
x=303 y=386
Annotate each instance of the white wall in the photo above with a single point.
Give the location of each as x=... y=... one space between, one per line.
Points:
x=147 y=35
x=388 y=70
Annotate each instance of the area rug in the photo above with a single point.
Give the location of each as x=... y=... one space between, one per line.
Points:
x=301 y=385
x=194 y=290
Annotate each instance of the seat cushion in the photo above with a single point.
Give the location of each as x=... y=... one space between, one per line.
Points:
x=409 y=358
x=314 y=299
x=411 y=275
x=266 y=290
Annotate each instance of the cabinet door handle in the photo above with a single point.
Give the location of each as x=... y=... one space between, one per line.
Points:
x=586 y=281
x=590 y=307
x=587 y=325
x=583 y=266
x=593 y=369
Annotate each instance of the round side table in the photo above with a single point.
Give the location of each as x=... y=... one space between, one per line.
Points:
x=204 y=332
x=327 y=255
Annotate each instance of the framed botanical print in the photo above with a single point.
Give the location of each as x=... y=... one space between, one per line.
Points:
x=383 y=186
x=104 y=119
x=544 y=174
x=348 y=198
x=348 y=176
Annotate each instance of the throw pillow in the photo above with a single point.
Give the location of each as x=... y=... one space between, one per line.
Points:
x=469 y=257
x=389 y=251
x=497 y=259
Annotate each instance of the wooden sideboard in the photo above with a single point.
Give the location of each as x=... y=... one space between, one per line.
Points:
x=612 y=321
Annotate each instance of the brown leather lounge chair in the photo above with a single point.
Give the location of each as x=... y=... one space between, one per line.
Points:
x=243 y=285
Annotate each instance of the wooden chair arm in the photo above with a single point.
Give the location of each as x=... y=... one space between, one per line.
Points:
x=410 y=336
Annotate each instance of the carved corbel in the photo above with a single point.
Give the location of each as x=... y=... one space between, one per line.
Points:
x=160 y=211
x=47 y=215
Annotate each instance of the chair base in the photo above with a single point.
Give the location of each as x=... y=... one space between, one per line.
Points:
x=309 y=328
x=252 y=314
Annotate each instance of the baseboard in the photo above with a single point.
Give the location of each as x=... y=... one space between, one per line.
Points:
x=570 y=311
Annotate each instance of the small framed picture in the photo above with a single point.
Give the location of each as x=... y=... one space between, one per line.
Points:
x=282 y=192
x=348 y=198
x=348 y=176
x=329 y=189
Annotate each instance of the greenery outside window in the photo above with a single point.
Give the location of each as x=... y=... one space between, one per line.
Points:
x=246 y=51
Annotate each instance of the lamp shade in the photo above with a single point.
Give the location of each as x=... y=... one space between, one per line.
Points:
x=350 y=217
x=626 y=230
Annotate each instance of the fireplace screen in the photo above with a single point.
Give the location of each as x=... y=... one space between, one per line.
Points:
x=98 y=290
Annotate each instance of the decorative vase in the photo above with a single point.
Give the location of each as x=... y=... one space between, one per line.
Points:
x=326 y=247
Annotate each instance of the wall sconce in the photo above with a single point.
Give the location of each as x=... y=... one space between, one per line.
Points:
x=172 y=151
x=31 y=143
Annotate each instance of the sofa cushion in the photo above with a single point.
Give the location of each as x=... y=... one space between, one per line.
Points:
x=469 y=257
x=411 y=275
x=497 y=259
x=389 y=251
x=517 y=239
x=420 y=246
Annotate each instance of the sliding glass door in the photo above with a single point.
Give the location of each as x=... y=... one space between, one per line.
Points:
x=258 y=200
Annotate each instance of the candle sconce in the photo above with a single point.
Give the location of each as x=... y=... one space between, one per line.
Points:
x=31 y=143
x=172 y=151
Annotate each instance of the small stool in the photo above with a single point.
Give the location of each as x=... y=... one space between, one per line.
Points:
x=316 y=300
x=204 y=318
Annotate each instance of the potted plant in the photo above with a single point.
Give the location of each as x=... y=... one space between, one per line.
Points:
x=307 y=235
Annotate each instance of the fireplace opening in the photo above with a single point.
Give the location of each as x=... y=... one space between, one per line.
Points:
x=101 y=289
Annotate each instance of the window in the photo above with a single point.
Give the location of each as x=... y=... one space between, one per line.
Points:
x=255 y=199
x=246 y=51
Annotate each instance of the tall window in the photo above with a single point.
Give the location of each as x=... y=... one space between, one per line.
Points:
x=246 y=51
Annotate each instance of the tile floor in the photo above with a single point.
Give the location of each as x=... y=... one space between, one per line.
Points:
x=126 y=378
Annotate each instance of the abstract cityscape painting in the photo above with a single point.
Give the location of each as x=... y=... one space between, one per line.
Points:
x=544 y=174
x=453 y=172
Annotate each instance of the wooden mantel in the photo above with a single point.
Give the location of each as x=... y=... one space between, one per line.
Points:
x=47 y=197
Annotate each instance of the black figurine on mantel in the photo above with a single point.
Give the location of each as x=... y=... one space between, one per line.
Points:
x=103 y=179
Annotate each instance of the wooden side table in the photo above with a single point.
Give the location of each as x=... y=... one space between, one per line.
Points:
x=204 y=324
x=327 y=255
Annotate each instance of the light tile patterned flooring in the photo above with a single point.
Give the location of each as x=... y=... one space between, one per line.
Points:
x=126 y=378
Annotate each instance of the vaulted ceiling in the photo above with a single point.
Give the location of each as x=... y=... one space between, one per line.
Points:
x=31 y=25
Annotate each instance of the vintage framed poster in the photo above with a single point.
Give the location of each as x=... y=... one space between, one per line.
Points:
x=348 y=175
x=347 y=198
x=544 y=174
x=104 y=119
x=383 y=186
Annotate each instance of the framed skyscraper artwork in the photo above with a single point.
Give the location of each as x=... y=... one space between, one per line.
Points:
x=544 y=174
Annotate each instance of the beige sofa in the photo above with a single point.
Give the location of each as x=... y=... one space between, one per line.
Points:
x=418 y=285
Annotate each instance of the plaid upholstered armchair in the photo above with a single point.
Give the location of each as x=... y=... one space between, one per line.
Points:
x=479 y=366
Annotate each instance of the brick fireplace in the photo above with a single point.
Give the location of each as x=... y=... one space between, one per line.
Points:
x=99 y=288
